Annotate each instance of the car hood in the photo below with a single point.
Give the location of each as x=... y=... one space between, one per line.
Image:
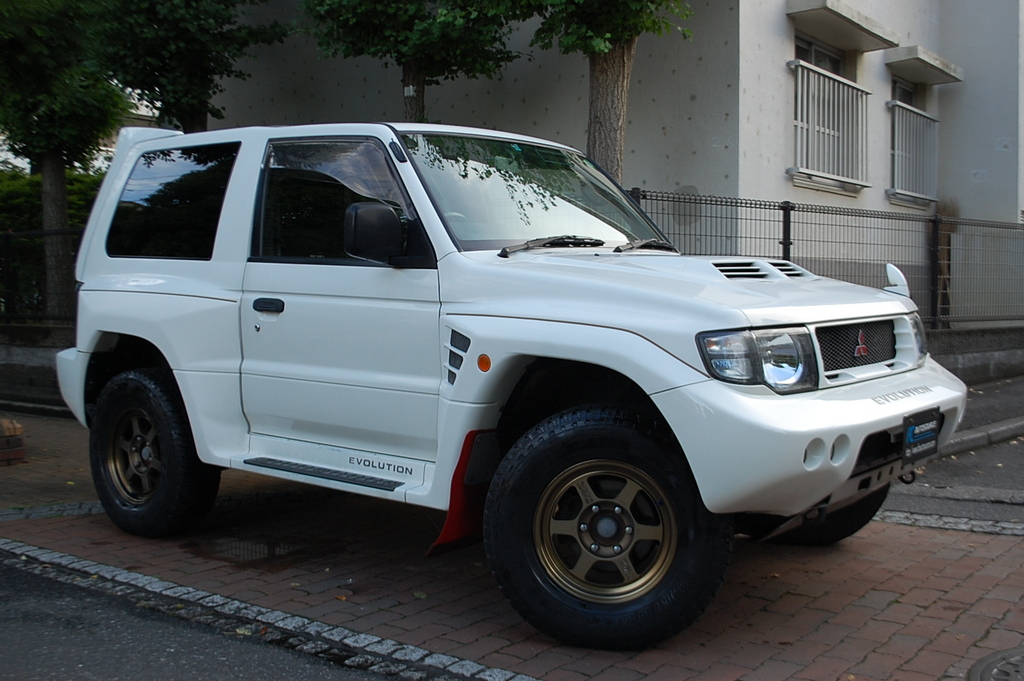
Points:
x=710 y=292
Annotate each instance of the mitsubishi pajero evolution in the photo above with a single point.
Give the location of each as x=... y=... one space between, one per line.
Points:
x=485 y=324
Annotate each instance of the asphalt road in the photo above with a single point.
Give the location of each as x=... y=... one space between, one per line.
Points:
x=53 y=630
x=986 y=484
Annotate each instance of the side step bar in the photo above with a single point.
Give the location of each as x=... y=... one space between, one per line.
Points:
x=325 y=473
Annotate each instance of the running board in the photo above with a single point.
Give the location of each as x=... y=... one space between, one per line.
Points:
x=325 y=473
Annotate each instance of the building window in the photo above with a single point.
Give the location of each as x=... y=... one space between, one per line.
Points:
x=824 y=57
x=914 y=148
x=830 y=119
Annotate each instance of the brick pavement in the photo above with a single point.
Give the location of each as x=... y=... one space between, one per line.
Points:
x=894 y=602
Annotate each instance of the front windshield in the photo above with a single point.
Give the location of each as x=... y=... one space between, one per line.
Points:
x=495 y=193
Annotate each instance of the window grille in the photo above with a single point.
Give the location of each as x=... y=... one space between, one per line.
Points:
x=915 y=137
x=830 y=119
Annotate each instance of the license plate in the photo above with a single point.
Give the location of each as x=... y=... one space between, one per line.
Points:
x=921 y=434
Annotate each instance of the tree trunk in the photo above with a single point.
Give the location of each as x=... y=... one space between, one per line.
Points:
x=414 y=84
x=58 y=248
x=609 y=94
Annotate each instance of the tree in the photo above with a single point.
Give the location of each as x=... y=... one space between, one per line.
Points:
x=429 y=41
x=55 y=106
x=606 y=31
x=174 y=54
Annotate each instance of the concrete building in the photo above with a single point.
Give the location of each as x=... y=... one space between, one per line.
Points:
x=862 y=103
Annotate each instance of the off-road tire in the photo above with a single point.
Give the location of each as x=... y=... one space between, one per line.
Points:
x=631 y=565
x=837 y=525
x=143 y=456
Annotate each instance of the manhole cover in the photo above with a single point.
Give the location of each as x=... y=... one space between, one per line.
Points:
x=1007 y=665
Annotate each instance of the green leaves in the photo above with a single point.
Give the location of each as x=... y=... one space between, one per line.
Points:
x=430 y=40
x=591 y=26
x=54 y=96
x=443 y=39
x=174 y=53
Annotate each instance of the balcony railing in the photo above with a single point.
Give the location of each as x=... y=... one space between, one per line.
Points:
x=830 y=118
x=915 y=137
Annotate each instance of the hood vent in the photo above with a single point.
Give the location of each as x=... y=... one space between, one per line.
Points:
x=741 y=270
x=759 y=269
x=788 y=268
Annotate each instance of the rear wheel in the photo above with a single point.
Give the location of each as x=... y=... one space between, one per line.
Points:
x=837 y=525
x=143 y=457
x=596 y=534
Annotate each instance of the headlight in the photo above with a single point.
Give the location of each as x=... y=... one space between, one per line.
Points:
x=919 y=337
x=782 y=359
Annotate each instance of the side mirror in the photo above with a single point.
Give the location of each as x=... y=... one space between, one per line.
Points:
x=374 y=232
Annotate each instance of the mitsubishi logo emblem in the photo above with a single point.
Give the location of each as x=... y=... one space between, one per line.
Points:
x=862 y=346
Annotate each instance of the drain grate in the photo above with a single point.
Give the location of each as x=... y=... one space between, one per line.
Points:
x=1007 y=665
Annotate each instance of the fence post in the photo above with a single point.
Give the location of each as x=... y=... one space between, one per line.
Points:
x=8 y=276
x=787 y=229
x=933 y=272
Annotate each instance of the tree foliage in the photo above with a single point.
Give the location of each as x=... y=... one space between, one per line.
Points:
x=21 y=208
x=174 y=53
x=429 y=41
x=592 y=27
x=56 y=104
x=606 y=32
x=54 y=97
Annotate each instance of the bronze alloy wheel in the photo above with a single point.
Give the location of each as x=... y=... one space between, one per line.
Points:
x=605 y=532
x=133 y=457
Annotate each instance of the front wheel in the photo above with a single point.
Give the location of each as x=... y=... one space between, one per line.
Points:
x=143 y=457
x=596 y=533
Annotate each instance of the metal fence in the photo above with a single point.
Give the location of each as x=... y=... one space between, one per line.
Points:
x=961 y=272
x=23 y=280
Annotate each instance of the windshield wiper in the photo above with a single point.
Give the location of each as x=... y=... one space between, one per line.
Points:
x=567 y=240
x=655 y=244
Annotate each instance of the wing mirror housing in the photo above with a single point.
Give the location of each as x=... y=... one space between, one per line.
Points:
x=374 y=232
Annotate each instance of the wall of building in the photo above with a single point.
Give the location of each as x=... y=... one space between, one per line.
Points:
x=682 y=129
x=711 y=115
x=980 y=166
x=767 y=92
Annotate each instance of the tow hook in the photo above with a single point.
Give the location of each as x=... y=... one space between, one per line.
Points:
x=908 y=478
x=816 y=516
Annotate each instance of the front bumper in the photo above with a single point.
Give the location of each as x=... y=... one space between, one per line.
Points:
x=754 y=451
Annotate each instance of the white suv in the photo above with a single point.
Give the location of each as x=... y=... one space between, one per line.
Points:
x=484 y=323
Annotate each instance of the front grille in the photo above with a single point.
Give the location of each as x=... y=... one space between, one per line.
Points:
x=855 y=345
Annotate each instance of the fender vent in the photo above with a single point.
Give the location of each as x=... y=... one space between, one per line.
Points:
x=458 y=344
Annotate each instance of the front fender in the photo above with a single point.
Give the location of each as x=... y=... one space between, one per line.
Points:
x=509 y=344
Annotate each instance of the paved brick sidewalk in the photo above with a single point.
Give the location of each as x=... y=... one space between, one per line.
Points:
x=893 y=602
x=56 y=468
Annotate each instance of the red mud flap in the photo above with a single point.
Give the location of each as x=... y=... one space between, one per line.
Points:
x=464 y=523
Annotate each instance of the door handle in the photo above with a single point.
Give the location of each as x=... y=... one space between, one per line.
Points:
x=268 y=305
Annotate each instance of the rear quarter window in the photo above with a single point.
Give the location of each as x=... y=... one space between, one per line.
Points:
x=171 y=204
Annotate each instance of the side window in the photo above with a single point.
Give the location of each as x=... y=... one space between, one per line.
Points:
x=171 y=204
x=307 y=187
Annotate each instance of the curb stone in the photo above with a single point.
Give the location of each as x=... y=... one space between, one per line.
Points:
x=333 y=644
x=989 y=434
